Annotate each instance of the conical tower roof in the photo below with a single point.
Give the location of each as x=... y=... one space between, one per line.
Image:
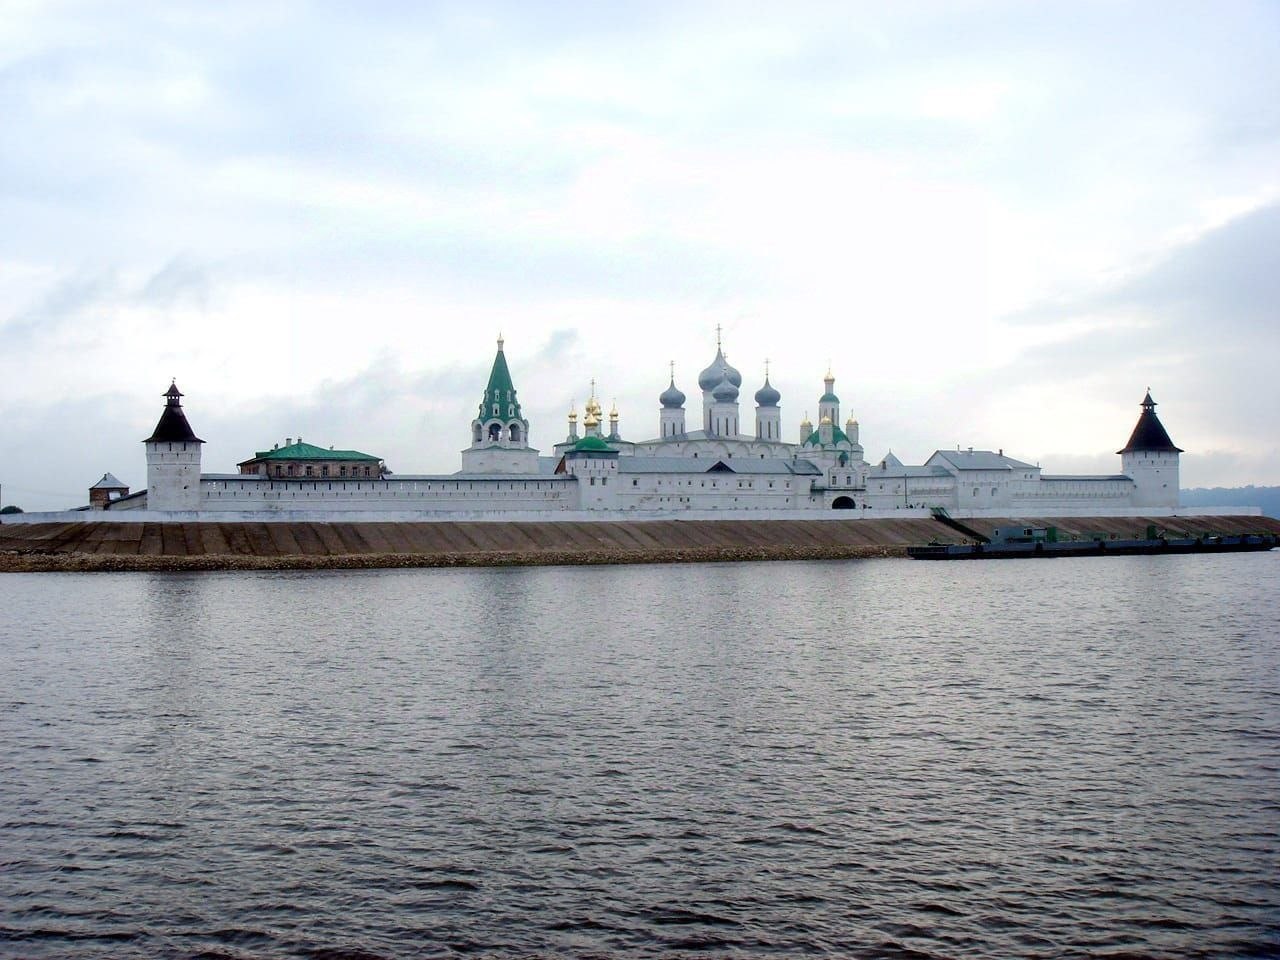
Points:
x=500 y=389
x=172 y=426
x=1149 y=435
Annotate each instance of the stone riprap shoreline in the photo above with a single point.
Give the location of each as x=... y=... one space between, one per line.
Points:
x=119 y=546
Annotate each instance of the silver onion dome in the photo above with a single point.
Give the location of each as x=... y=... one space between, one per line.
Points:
x=672 y=397
x=719 y=370
x=725 y=391
x=767 y=396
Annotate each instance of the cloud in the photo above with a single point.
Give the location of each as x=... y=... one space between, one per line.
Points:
x=310 y=232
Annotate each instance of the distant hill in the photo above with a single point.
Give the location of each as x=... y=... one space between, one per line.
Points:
x=1268 y=498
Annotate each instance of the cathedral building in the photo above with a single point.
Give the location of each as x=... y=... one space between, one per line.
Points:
x=720 y=468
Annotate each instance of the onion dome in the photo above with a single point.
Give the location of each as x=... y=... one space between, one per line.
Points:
x=826 y=422
x=613 y=412
x=725 y=392
x=829 y=381
x=573 y=412
x=672 y=397
x=719 y=370
x=767 y=396
x=591 y=444
x=590 y=420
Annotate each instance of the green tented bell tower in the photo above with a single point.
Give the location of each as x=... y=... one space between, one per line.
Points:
x=500 y=433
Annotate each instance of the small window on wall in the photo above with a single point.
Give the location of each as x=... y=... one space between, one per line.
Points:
x=993 y=491
x=975 y=491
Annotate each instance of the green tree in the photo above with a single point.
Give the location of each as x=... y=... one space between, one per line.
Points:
x=10 y=509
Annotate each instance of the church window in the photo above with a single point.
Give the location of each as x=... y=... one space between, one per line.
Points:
x=604 y=481
x=495 y=409
x=342 y=471
x=635 y=483
x=593 y=481
x=975 y=491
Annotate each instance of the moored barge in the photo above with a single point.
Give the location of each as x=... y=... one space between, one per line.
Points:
x=1028 y=542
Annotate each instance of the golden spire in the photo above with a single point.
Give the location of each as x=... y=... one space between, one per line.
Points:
x=573 y=411
x=613 y=412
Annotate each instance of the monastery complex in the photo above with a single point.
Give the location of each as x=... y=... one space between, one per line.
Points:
x=722 y=467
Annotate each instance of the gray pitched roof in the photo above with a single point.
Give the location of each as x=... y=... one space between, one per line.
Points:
x=981 y=460
x=109 y=482
x=740 y=465
x=901 y=471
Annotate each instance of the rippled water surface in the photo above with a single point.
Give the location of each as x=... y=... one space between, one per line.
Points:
x=877 y=758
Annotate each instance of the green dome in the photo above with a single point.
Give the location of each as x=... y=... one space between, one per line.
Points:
x=591 y=443
x=828 y=398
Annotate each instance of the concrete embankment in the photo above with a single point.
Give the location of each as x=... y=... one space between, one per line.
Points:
x=107 y=546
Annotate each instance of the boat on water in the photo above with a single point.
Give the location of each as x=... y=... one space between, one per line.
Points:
x=1028 y=542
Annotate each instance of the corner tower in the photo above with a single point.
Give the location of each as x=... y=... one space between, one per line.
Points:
x=173 y=459
x=500 y=434
x=1151 y=460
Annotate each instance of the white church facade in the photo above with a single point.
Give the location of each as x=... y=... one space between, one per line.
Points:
x=722 y=467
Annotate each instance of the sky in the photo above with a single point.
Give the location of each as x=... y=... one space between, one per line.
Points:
x=997 y=223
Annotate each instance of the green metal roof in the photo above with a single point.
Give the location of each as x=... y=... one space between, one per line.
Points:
x=591 y=443
x=828 y=398
x=837 y=436
x=309 y=451
x=500 y=391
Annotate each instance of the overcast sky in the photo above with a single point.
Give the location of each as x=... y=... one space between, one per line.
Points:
x=999 y=223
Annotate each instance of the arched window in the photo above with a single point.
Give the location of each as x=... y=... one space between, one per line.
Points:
x=495 y=431
x=479 y=433
x=514 y=433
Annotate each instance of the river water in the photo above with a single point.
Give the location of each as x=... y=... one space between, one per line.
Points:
x=870 y=758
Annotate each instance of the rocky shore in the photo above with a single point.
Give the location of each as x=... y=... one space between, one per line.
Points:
x=102 y=546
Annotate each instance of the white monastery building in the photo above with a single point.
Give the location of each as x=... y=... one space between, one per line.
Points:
x=725 y=466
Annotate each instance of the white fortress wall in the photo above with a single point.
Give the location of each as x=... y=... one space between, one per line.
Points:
x=326 y=515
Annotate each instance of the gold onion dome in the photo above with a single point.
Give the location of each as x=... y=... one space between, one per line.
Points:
x=613 y=411
x=590 y=420
x=826 y=421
